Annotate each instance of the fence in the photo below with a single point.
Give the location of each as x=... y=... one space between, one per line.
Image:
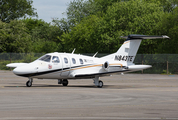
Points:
x=161 y=63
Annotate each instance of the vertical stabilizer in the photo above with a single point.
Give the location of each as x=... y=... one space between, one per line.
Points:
x=128 y=50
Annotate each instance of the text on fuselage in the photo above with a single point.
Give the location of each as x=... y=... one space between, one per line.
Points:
x=124 y=58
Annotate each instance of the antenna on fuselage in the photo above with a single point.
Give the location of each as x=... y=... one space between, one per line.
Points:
x=95 y=54
x=73 y=51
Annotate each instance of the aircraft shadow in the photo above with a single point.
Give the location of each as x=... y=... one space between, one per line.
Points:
x=59 y=86
x=75 y=86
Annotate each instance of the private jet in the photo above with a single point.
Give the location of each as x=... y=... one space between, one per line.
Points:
x=70 y=66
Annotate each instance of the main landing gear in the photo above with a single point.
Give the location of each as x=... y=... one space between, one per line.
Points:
x=98 y=82
x=64 y=82
x=29 y=82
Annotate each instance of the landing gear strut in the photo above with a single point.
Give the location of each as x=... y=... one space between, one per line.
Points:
x=64 y=82
x=98 y=82
x=29 y=82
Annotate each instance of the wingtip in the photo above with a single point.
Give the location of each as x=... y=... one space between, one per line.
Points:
x=124 y=37
x=166 y=37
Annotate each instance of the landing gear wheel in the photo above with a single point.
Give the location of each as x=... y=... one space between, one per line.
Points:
x=100 y=84
x=65 y=82
x=28 y=84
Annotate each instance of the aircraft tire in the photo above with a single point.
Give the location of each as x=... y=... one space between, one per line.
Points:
x=65 y=82
x=100 y=85
x=28 y=84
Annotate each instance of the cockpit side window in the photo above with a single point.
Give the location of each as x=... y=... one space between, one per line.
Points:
x=46 y=58
x=55 y=59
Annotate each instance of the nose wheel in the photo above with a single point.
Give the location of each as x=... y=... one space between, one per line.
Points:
x=29 y=82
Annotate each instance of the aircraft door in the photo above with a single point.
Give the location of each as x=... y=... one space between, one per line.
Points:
x=65 y=65
x=56 y=63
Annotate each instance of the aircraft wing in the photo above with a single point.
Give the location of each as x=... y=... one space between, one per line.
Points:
x=14 y=65
x=127 y=69
x=98 y=74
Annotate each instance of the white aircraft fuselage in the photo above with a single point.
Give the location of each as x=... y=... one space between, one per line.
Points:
x=63 y=66
x=68 y=66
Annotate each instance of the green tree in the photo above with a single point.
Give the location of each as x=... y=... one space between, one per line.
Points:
x=121 y=18
x=169 y=26
x=168 y=5
x=62 y=24
x=32 y=23
x=136 y=17
x=14 y=37
x=46 y=38
x=85 y=36
x=102 y=5
x=76 y=11
x=79 y=9
x=15 y=9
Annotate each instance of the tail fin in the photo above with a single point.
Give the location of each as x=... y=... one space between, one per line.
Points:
x=128 y=50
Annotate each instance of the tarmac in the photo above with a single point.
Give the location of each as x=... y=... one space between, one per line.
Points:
x=129 y=96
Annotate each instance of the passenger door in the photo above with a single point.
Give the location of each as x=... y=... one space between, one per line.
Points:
x=56 y=63
x=65 y=65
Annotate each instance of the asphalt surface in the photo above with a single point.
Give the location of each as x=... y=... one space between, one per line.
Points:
x=129 y=96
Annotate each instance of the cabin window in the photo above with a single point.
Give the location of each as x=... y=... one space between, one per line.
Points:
x=73 y=61
x=46 y=58
x=81 y=61
x=66 y=60
x=55 y=59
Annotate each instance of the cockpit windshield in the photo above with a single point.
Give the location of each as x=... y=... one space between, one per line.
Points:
x=46 y=58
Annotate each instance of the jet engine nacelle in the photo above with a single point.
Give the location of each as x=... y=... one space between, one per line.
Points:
x=106 y=65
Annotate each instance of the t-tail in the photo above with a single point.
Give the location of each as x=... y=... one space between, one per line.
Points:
x=127 y=52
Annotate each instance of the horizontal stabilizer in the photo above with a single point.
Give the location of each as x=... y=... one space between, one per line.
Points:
x=14 y=65
x=132 y=37
x=138 y=67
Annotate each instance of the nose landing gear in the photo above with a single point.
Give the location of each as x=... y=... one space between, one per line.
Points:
x=29 y=82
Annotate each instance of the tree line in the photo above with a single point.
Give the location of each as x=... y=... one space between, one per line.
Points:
x=90 y=26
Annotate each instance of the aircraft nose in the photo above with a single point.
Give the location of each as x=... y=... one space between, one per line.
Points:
x=21 y=71
x=17 y=71
x=25 y=70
